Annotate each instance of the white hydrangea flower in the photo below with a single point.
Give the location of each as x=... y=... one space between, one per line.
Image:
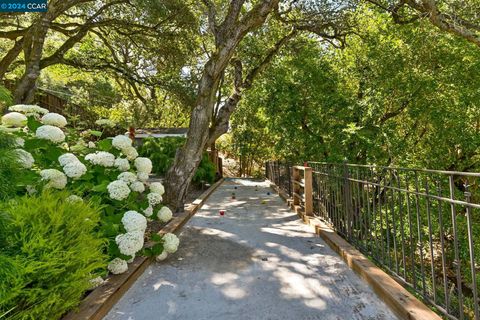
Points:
x=117 y=266
x=154 y=199
x=122 y=164
x=56 y=179
x=129 y=243
x=19 y=142
x=14 y=119
x=118 y=190
x=130 y=152
x=142 y=176
x=28 y=109
x=73 y=198
x=162 y=256
x=54 y=119
x=170 y=242
x=91 y=145
x=66 y=158
x=157 y=187
x=31 y=190
x=121 y=142
x=148 y=212
x=25 y=159
x=164 y=214
x=51 y=133
x=75 y=169
x=143 y=165
x=137 y=186
x=96 y=282
x=128 y=177
x=101 y=158
x=134 y=221
x=105 y=123
x=86 y=133
x=8 y=129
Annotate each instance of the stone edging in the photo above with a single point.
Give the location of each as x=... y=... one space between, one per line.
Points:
x=98 y=303
x=403 y=303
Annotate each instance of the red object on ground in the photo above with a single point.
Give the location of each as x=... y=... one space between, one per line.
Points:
x=222 y=212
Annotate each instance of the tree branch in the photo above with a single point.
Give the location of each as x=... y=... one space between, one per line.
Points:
x=221 y=122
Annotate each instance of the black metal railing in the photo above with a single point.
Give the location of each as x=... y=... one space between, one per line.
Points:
x=280 y=173
x=422 y=226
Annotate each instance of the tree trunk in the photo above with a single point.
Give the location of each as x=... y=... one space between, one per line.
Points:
x=227 y=37
x=189 y=156
x=11 y=55
x=221 y=124
x=33 y=49
x=33 y=43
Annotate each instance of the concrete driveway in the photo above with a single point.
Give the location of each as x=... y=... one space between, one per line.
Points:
x=256 y=262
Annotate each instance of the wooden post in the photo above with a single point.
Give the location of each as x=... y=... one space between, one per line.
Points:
x=308 y=192
x=296 y=186
x=220 y=166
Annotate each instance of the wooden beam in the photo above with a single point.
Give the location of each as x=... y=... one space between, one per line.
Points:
x=307 y=191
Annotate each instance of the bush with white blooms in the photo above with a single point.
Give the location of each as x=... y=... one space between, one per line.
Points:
x=107 y=173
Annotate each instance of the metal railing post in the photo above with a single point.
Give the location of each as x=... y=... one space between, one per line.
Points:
x=348 y=201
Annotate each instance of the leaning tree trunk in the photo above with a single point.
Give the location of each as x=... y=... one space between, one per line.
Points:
x=227 y=37
x=189 y=156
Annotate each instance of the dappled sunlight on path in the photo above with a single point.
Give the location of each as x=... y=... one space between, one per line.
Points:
x=258 y=261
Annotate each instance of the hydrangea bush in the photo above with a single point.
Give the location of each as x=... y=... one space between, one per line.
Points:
x=107 y=172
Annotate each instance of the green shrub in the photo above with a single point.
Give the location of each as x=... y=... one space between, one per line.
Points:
x=10 y=171
x=48 y=254
x=205 y=172
x=162 y=153
x=5 y=98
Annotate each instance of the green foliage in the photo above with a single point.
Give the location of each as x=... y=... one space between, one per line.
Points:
x=10 y=171
x=5 y=98
x=403 y=95
x=48 y=254
x=162 y=153
x=205 y=172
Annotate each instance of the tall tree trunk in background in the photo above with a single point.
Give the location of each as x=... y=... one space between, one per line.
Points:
x=33 y=43
x=227 y=37
x=33 y=48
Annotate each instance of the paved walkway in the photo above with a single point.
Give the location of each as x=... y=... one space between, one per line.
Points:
x=256 y=262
